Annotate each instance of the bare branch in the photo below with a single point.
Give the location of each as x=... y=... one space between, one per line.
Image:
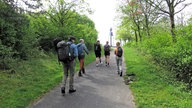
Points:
x=183 y=8
x=178 y=2
x=157 y=6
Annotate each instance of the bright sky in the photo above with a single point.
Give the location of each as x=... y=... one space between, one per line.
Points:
x=104 y=15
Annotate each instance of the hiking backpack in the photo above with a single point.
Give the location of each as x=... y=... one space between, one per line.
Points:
x=107 y=48
x=55 y=42
x=97 y=47
x=119 y=51
x=65 y=54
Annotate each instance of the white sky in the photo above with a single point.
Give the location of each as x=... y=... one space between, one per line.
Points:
x=104 y=16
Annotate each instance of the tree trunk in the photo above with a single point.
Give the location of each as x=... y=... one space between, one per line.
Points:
x=136 y=38
x=147 y=25
x=140 y=37
x=173 y=28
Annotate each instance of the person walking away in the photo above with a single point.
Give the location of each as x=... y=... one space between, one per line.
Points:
x=82 y=49
x=119 y=52
x=97 y=49
x=107 y=53
x=69 y=66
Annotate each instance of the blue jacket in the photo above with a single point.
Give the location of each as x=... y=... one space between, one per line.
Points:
x=73 y=48
x=82 y=49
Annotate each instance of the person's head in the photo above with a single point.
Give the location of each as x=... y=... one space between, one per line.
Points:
x=118 y=44
x=72 y=39
x=81 y=40
x=107 y=42
x=98 y=42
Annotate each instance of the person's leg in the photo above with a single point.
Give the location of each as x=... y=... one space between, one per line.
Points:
x=81 y=66
x=105 y=58
x=108 y=59
x=117 y=62
x=83 y=69
x=79 y=58
x=97 y=59
x=120 y=66
x=65 y=75
x=71 y=81
x=100 y=58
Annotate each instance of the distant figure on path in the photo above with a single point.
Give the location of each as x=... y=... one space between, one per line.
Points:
x=81 y=55
x=97 y=49
x=107 y=50
x=119 y=52
x=69 y=66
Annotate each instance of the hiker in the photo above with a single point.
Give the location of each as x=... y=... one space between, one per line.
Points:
x=107 y=49
x=69 y=66
x=82 y=49
x=97 y=49
x=119 y=52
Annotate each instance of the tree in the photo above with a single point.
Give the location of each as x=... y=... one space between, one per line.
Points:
x=134 y=13
x=62 y=20
x=168 y=7
x=12 y=31
x=150 y=15
x=125 y=31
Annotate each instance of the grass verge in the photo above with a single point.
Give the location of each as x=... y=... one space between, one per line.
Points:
x=155 y=87
x=31 y=80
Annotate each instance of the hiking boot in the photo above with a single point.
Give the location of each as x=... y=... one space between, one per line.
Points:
x=72 y=90
x=121 y=74
x=83 y=70
x=63 y=90
x=80 y=73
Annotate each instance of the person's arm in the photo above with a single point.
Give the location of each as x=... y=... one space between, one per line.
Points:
x=115 y=51
x=75 y=50
x=85 y=49
x=94 y=47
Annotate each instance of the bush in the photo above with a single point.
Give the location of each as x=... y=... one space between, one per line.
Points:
x=175 y=56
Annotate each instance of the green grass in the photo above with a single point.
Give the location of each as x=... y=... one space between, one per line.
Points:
x=155 y=87
x=31 y=80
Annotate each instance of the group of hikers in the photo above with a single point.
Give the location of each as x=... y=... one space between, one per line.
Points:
x=69 y=51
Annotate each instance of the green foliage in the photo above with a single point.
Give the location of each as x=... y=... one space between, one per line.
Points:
x=154 y=87
x=175 y=56
x=79 y=26
x=183 y=54
x=12 y=30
